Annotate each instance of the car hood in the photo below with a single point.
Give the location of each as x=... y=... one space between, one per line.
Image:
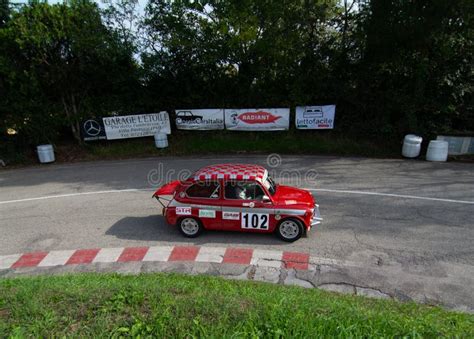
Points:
x=287 y=195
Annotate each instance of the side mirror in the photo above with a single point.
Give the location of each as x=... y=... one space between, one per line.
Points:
x=266 y=199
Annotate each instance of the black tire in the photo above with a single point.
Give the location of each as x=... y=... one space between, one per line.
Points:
x=290 y=229
x=198 y=120
x=190 y=227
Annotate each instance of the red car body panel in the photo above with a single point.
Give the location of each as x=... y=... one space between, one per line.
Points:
x=168 y=189
x=221 y=213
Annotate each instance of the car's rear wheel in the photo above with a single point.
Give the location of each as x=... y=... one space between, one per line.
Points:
x=290 y=230
x=190 y=227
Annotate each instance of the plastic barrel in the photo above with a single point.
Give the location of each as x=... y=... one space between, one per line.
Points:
x=411 y=146
x=161 y=140
x=437 y=150
x=45 y=153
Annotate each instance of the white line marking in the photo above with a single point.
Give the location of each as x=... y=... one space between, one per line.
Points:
x=75 y=194
x=391 y=195
x=211 y=254
x=108 y=255
x=56 y=258
x=267 y=258
x=6 y=261
x=309 y=189
x=158 y=253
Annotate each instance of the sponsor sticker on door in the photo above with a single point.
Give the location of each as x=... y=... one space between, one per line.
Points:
x=207 y=214
x=231 y=215
x=183 y=210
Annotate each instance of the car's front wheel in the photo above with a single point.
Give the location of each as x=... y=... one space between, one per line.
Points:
x=290 y=230
x=190 y=227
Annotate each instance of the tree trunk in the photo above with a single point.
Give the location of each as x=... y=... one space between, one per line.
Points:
x=72 y=118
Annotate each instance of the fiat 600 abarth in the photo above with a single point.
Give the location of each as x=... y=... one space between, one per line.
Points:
x=237 y=197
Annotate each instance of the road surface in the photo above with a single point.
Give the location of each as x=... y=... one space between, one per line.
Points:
x=411 y=221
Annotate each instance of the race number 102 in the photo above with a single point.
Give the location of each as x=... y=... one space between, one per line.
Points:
x=255 y=221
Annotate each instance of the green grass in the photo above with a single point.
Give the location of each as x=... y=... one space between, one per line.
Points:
x=171 y=305
x=225 y=142
x=210 y=143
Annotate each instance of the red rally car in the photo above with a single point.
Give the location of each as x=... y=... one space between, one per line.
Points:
x=237 y=197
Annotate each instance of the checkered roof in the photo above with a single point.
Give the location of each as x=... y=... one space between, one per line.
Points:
x=231 y=171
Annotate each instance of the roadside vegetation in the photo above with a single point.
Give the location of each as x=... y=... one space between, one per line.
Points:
x=391 y=67
x=172 y=305
x=189 y=143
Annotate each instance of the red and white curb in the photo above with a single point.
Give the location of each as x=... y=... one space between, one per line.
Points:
x=220 y=255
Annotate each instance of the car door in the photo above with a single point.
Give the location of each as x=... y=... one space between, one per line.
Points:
x=204 y=198
x=243 y=208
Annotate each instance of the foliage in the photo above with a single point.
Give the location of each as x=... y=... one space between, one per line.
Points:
x=390 y=66
x=411 y=72
x=419 y=60
x=4 y=13
x=60 y=64
x=171 y=305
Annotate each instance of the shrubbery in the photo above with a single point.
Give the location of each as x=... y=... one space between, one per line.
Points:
x=390 y=66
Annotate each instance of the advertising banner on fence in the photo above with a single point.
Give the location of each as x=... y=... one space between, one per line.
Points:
x=257 y=119
x=135 y=126
x=200 y=119
x=93 y=129
x=315 y=117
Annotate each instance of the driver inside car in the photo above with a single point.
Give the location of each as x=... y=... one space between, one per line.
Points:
x=235 y=191
x=241 y=191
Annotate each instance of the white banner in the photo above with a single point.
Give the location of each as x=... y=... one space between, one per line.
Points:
x=315 y=117
x=200 y=119
x=135 y=126
x=257 y=119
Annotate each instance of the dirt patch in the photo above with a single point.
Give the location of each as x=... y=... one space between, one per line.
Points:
x=4 y=313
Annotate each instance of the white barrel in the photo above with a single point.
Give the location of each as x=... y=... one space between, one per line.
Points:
x=437 y=150
x=45 y=153
x=411 y=146
x=161 y=140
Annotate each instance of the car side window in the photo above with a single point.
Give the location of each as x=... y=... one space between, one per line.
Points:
x=208 y=190
x=243 y=190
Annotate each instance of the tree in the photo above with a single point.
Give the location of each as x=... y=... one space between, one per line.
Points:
x=66 y=57
x=418 y=65
x=238 y=52
x=4 y=12
x=123 y=17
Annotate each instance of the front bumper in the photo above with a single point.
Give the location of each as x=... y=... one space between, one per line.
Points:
x=316 y=216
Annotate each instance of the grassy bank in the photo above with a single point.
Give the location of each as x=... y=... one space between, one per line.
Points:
x=216 y=142
x=285 y=142
x=94 y=305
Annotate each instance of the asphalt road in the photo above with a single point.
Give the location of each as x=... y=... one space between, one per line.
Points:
x=414 y=218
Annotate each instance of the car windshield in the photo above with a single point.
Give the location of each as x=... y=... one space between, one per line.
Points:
x=270 y=185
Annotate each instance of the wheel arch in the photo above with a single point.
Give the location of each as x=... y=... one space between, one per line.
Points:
x=293 y=217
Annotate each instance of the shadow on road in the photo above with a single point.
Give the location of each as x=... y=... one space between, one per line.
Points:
x=155 y=228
